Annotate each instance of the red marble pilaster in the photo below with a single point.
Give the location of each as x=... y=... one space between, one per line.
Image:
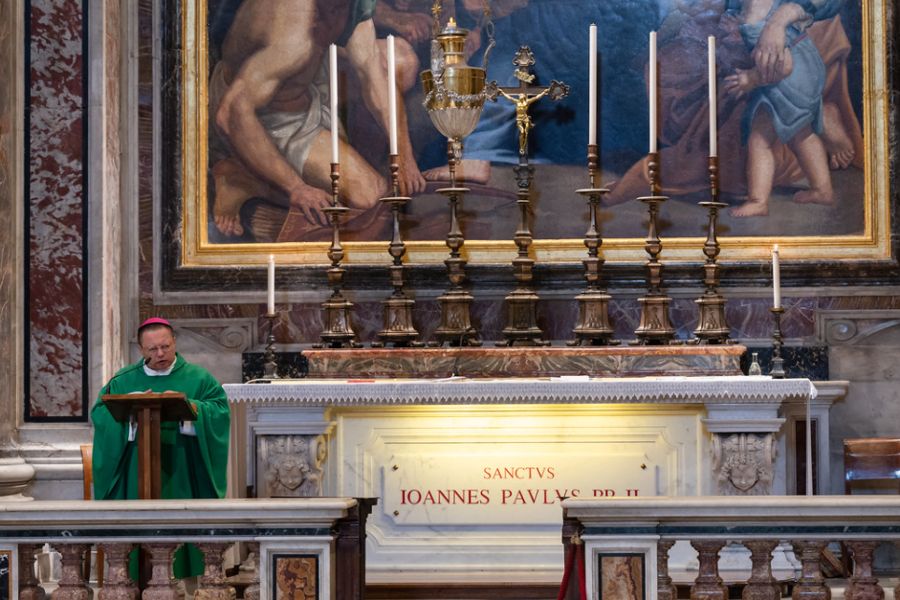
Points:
x=55 y=208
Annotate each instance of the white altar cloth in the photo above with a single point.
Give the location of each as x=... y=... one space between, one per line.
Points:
x=563 y=390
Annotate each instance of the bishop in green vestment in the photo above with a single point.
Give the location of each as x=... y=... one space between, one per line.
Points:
x=193 y=455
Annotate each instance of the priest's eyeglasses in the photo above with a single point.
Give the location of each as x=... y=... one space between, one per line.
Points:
x=160 y=348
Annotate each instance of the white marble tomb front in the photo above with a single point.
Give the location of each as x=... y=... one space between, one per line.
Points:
x=469 y=474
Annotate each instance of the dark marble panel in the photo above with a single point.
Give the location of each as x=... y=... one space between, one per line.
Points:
x=290 y=365
x=810 y=362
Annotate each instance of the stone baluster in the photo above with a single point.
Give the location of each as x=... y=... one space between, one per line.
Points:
x=118 y=585
x=665 y=589
x=161 y=585
x=29 y=586
x=212 y=583
x=72 y=585
x=252 y=562
x=708 y=585
x=761 y=585
x=811 y=585
x=863 y=585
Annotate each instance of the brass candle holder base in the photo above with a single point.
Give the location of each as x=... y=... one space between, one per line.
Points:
x=270 y=360
x=712 y=327
x=777 y=370
x=521 y=319
x=655 y=327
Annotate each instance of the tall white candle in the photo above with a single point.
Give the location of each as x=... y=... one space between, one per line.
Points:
x=776 y=278
x=333 y=89
x=713 y=111
x=592 y=88
x=392 y=92
x=652 y=76
x=270 y=296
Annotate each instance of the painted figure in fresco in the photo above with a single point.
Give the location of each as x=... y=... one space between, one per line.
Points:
x=683 y=106
x=784 y=100
x=270 y=105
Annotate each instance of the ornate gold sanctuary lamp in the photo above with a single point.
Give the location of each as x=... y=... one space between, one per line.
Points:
x=398 y=322
x=338 y=331
x=454 y=97
x=593 y=327
x=712 y=327
x=655 y=326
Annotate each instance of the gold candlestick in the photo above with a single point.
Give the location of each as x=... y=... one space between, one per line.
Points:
x=456 y=323
x=338 y=331
x=398 y=326
x=655 y=326
x=712 y=328
x=593 y=327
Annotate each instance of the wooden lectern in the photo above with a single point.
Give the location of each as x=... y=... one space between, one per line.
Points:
x=149 y=409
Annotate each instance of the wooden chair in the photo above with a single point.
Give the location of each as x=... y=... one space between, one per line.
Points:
x=869 y=461
x=87 y=466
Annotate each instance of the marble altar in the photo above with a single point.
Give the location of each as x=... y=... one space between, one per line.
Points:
x=470 y=473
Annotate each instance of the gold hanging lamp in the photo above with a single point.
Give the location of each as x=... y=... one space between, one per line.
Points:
x=454 y=91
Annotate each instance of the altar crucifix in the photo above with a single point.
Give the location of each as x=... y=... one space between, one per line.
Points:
x=525 y=94
x=521 y=304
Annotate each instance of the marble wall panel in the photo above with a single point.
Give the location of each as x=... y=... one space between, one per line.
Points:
x=55 y=196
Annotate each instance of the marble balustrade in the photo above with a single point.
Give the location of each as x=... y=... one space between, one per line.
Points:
x=627 y=543
x=310 y=548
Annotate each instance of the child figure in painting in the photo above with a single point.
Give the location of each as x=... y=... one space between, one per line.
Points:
x=784 y=89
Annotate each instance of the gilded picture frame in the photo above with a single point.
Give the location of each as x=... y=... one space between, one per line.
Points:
x=869 y=241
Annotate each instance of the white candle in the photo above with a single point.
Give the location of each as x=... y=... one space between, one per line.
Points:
x=332 y=66
x=776 y=278
x=652 y=76
x=713 y=112
x=270 y=296
x=392 y=92
x=592 y=88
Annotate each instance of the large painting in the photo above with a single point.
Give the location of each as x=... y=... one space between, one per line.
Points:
x=801 y=112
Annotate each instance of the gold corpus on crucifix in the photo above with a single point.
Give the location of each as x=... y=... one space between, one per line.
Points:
x=521 y=304
x=525 y=94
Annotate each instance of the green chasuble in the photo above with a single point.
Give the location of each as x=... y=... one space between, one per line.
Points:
x=191 y=466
